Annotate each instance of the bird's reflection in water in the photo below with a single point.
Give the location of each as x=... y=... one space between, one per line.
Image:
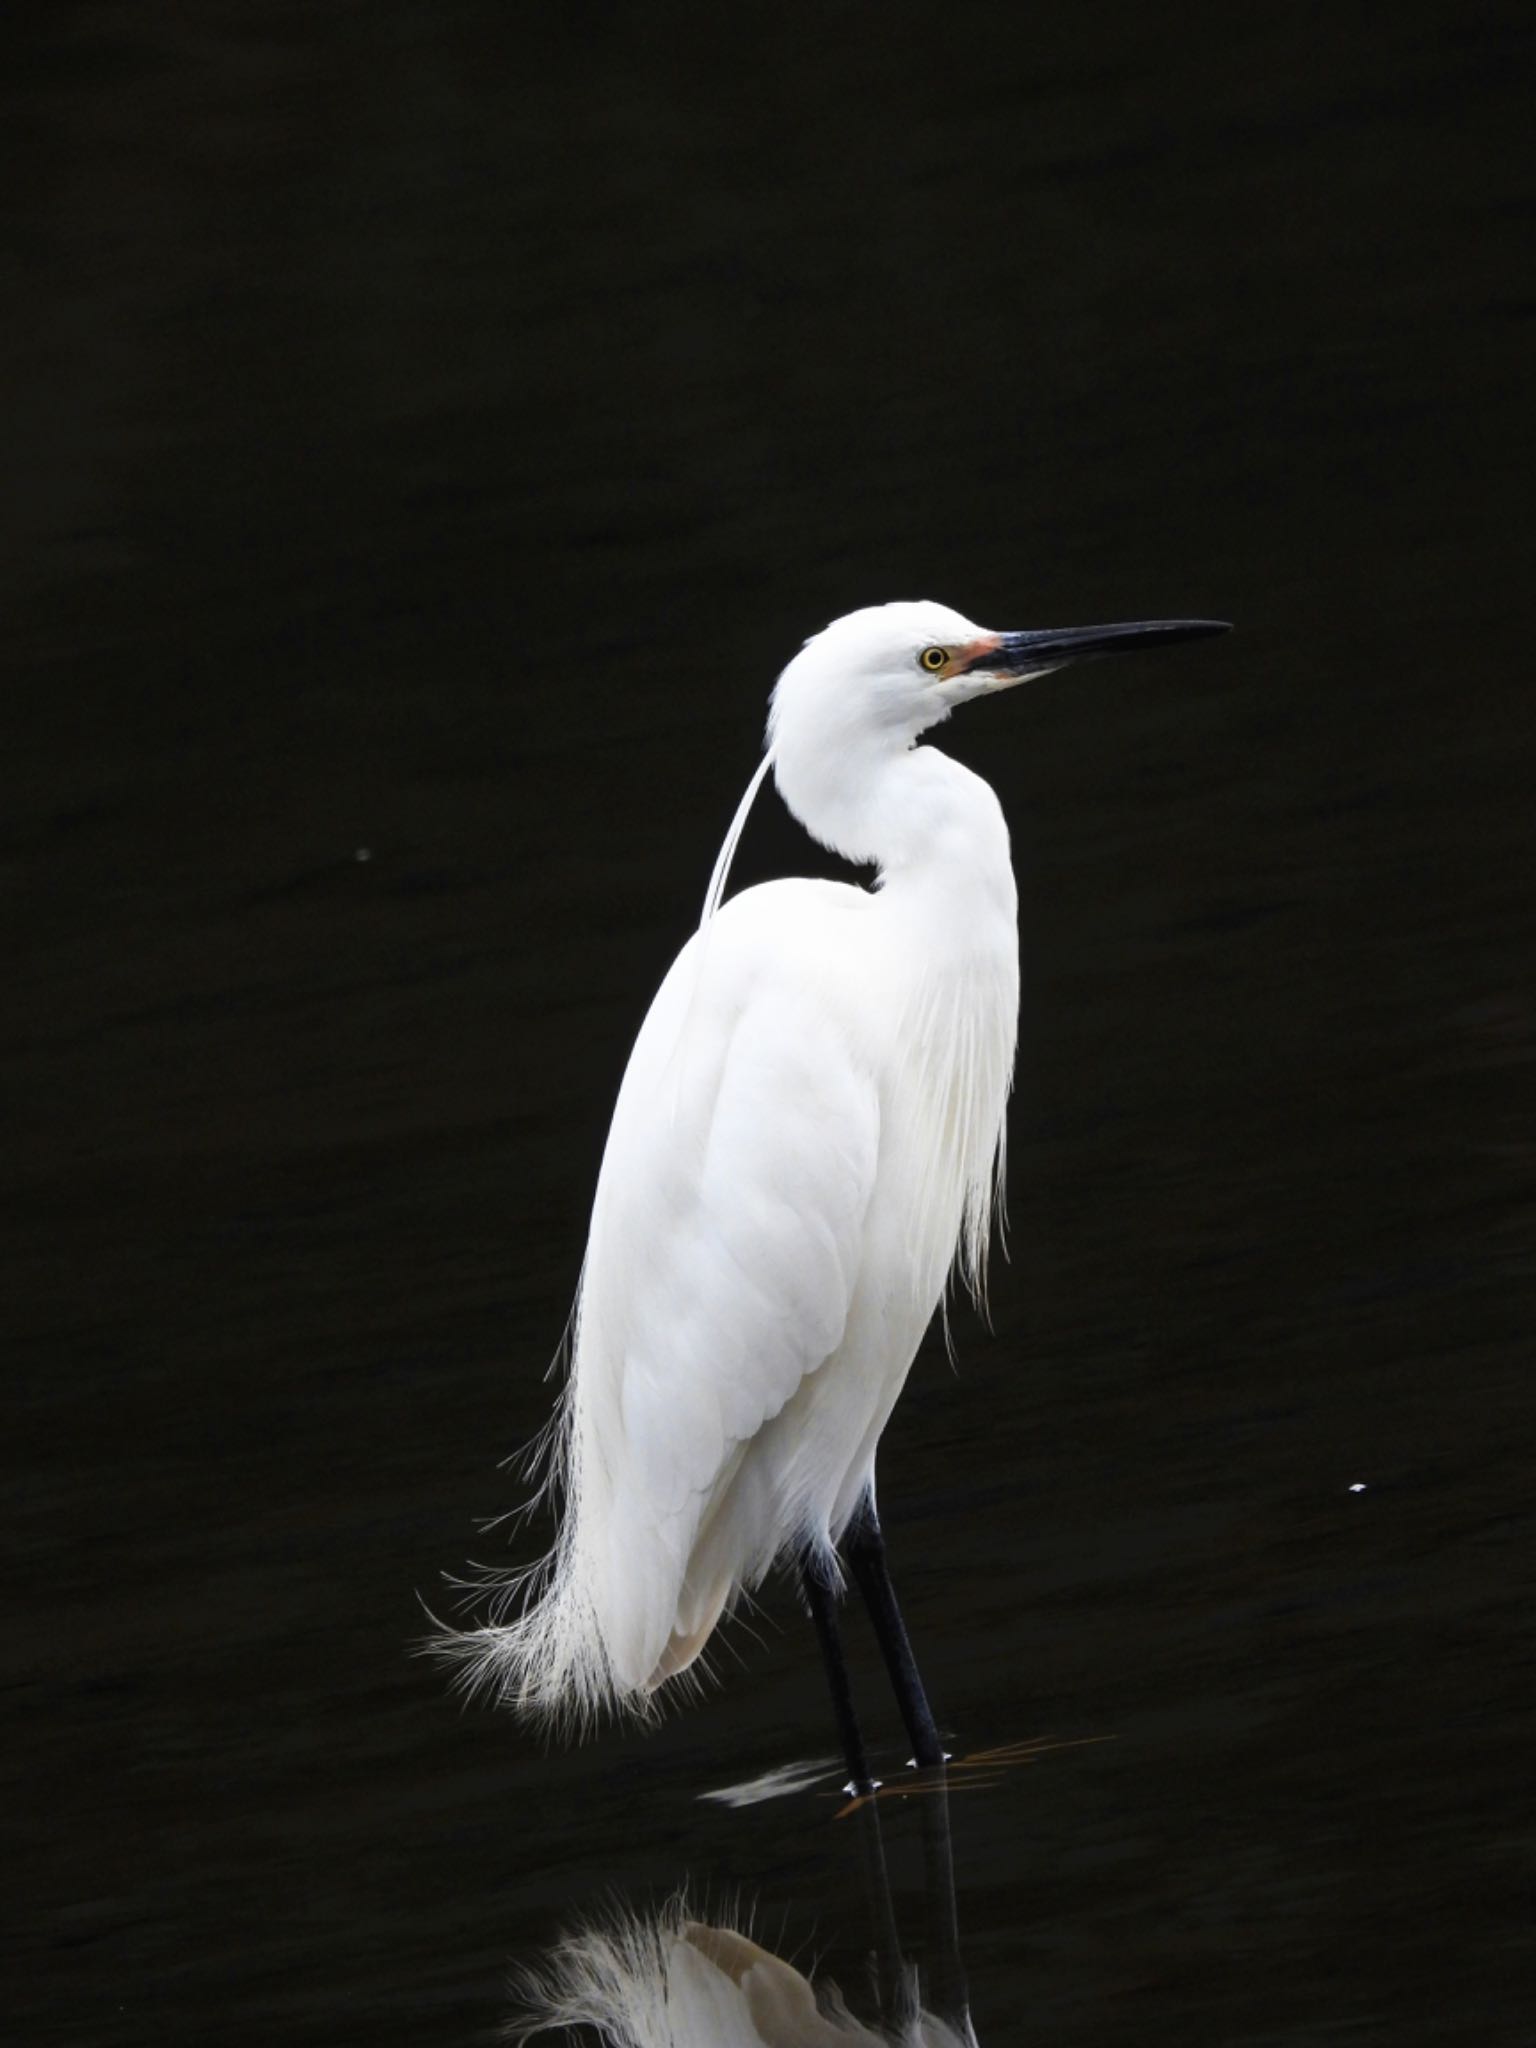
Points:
x=672 y=1979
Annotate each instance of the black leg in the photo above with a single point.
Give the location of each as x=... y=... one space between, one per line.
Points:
x=864 y=1547
x=821 y=1596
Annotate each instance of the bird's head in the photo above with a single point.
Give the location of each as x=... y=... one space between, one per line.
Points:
x=856 y=697
x=899 y=668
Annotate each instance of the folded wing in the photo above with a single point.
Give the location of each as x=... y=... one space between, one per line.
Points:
x=724 y=1253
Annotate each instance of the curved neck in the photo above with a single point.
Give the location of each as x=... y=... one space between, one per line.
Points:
x=913 y=812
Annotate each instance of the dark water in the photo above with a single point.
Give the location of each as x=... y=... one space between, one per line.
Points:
x=430 y=430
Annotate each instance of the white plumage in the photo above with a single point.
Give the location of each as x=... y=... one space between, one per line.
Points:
x=809 y=1130
x=670 y=1981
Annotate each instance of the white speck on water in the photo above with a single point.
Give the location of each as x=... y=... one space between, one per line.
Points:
x=363 y=853
x=777 y=1783
x=1357 y=1486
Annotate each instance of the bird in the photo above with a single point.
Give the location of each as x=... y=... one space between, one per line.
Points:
x=808 y=1141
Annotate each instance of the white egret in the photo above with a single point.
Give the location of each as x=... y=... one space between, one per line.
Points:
x=808 y=1136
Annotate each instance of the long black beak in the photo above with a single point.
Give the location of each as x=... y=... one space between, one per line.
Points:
x=1035 y=654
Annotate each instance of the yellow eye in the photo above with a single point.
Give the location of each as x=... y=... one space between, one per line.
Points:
x=933 y=659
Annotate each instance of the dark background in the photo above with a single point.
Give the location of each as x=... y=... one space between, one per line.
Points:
x=430 y=428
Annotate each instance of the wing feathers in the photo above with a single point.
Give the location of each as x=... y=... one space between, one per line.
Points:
x=722 y=1262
